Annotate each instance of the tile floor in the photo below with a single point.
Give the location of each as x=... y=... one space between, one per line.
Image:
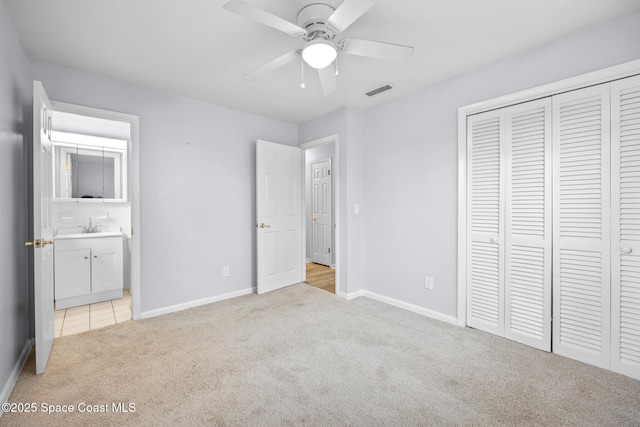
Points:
x=87 y=317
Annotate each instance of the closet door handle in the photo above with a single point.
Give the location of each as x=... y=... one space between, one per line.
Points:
x=626 y=250
x=493 y=240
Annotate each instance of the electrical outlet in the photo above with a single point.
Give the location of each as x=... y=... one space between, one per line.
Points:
x=428 y=282
x=225 y=271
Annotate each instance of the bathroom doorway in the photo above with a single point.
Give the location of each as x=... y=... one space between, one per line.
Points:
x=96 y=189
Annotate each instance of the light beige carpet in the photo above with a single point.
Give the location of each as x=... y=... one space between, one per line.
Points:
x=301 y=356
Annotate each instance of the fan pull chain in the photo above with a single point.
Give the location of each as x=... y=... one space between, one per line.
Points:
x=337 y=66
x=302 y=85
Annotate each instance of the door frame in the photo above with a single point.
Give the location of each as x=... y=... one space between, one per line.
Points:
x=335 y=184
x=615 y=72
x=134 y=186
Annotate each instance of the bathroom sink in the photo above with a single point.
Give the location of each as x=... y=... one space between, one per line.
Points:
x=72 y=230
x=87 y=235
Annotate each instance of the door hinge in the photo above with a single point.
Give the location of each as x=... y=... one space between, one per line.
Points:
x=328 y=172
x=329 y=250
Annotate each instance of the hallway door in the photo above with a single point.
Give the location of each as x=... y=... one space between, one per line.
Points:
x=321 y=219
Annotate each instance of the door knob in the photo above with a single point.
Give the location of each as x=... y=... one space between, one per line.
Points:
x=46 y=242
x=626 y=250
x=263 y=225
x=35 y=243
x=313 y=218
x=494 y=240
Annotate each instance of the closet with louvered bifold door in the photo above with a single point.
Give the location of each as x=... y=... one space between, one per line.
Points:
x=596 y=246
x=553 y=224
x=625 y=226
x=509 y=226
x=581 y=224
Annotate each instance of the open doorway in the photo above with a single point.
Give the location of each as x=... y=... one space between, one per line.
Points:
x=320 y=213
x=95 y=214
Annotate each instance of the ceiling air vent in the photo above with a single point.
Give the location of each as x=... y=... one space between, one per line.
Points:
x=379 y=90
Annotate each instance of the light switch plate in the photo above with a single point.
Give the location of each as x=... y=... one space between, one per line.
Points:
x=428 y=282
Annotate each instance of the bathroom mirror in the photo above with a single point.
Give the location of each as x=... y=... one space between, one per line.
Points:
x=95 y=169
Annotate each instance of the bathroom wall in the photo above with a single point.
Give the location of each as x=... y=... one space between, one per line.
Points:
x=72 y=213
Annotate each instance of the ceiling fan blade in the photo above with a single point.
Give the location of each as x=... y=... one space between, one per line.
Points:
x=328 y=79
x=270 y=66
x=378 y=50
x=347 y=13
x=247 y=10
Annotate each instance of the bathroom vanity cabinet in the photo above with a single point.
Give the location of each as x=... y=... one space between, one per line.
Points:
x=88 y=268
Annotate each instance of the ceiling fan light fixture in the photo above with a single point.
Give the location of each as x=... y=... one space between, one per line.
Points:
x=319 y=53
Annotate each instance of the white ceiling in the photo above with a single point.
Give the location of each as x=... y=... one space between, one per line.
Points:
x=197 y=49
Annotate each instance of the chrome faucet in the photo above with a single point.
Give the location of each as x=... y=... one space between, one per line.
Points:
x=92 y=228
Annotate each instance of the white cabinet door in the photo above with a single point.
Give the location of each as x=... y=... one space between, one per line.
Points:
x=485 y=224
x=528 y=224
x=581 y=225
x=106 y=265
x=72 y=273
x=625 y=234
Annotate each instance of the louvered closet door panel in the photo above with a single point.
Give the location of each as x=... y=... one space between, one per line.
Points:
x=528 y=224
x=625 y=250
x=581 y=225
x=485 y=203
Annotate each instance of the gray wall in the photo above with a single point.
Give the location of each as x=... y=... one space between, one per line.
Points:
x=197 y=184
x=14 y=294
x=410 y=161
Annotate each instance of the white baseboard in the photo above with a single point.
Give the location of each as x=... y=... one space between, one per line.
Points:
x=196 y=303
x=350 y=296
x=401 y=304
x=347 y=296
x=15 y=373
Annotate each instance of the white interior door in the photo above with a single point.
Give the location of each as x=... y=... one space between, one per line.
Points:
x=280 y=255
x=528 y=224
x=42 y=229
x=485 y=225
x=581 y=225
x=625 y=232
x=321 y=212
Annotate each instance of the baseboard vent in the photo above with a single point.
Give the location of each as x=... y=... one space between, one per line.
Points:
x=379 y=90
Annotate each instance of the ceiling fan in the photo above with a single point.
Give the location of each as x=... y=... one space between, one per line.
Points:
x=318 y=25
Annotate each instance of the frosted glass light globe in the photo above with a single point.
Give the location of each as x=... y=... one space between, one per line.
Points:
x=319 y=54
